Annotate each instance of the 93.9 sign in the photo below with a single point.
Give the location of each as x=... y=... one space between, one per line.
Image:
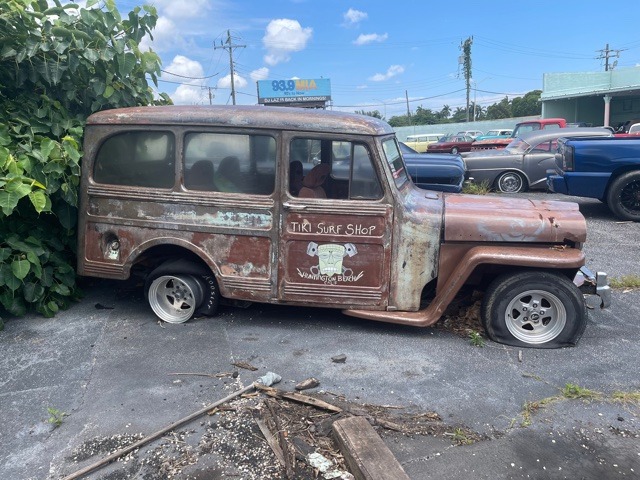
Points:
x=294 y=90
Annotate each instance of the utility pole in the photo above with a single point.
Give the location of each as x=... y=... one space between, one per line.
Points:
x=466 y=67
x=230 y=46
x=406 y=95
x=606 y=53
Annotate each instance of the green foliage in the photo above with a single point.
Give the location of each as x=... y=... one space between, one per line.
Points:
x=57 y=66
x=56 y=417
x=625 y=281
x=572 y=391
x=374 y=113
x=476 y=339
x=481 y=188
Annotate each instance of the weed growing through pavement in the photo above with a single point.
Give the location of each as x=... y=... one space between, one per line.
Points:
x=575 y=392
x=625 y=281
x=56 y=417
x=481 y=188
x=572 y=392
x=476 y=339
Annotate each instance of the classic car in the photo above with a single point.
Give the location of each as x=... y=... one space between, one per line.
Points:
x=443 y=172
x=522 y=127
x=451 y=144
x=205 y=205
x=496 y=133
x=420 y=142
x=524 y=163
x=470 y=133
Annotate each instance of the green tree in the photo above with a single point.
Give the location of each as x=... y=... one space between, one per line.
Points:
x=57 y=66
x=528 y=105
x=499 y=110
x=374 y=113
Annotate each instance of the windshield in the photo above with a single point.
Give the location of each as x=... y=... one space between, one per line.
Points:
x=395 y=161
x=518 y=146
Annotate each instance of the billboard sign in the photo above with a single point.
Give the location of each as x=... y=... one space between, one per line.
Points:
x=295 y=90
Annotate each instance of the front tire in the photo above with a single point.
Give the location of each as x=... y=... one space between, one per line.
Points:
x=623 y=197
x=510 y=182
x=535 y=309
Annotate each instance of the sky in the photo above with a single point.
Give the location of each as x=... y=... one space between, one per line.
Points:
x=377 y=54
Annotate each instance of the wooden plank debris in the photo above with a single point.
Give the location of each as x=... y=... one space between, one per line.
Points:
x=298 y=397
x=366 y=454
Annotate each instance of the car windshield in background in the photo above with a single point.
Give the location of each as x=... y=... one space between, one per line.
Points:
x=518 y=146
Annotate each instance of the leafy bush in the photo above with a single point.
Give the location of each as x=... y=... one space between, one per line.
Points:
x=57 y=66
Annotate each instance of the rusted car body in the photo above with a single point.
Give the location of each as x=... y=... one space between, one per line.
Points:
x=354 y=233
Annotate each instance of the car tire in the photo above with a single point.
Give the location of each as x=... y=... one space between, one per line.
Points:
x=174 y=298
x=534 y=309
x=454 y=150
x=209 y=300
x=510 y=182
x=623 y=196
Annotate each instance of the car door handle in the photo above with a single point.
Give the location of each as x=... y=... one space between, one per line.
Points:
x=295 y=207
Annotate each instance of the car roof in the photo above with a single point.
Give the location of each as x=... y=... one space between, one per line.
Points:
x=268 y=117
x=538 y=136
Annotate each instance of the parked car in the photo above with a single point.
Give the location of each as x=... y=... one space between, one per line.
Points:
x=524 y=163
x=420 y=142
x=632 y=130
x=522 y=127
x=199 y=203
x=604 y=168
x=451 y=144
x=496 y=133
x=443 y=172
x=470 y=133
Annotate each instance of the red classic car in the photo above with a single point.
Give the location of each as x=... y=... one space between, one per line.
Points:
x=451 y=144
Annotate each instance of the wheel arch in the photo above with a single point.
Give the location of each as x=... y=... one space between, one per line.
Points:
x=616 y=173
x=188 y=257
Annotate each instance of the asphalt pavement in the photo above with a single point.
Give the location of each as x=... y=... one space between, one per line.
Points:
x=107 y=363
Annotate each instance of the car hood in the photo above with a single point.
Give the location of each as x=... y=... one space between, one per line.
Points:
x=475 y=218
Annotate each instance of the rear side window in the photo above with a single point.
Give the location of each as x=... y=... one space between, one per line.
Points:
x=232 y=163
x=137 y=159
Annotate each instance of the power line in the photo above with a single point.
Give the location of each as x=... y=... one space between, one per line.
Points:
x=190 y=78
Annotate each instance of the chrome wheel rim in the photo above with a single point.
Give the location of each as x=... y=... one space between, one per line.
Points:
x=535 y=317
x=510 y=183
x=175 y=298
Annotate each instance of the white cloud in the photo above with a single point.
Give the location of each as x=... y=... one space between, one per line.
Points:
x=186 y=70
x=392 y=71
x=353 y=17
x=165 y=36
x=238 y=82
x=259 y=74
x=370 y=38
x=282 y=38
x=183 y=8
x=188 y=95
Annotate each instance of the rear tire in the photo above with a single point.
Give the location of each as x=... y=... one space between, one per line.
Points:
x=175 y=298
x=510 y=182
x=623 y=197
x=535 y=309
x=454 y=150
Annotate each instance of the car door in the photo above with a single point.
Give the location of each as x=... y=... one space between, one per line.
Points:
x=335 y=246
x=538 y=160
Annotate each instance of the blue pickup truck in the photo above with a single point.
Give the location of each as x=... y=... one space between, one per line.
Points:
x=606 y=168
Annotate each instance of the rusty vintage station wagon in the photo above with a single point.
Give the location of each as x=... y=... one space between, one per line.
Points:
x=302 y=207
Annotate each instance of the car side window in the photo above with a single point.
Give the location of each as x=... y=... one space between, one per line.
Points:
x=333 y=169
x=137 y=159
x=231 y=163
